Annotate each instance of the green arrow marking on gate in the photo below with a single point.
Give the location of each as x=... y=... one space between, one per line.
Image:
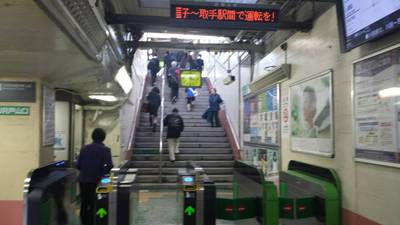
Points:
x=101 y=213
x=189 y=210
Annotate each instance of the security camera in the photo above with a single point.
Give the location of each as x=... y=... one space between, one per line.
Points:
x=284 y=46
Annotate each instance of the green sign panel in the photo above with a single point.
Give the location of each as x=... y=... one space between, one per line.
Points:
x=15 y=111
x=190 y=210
x=190 y=78
x=101 y=213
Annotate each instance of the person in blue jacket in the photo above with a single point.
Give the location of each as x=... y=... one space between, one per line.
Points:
x=214 y=101
x=190 y=97
x=94 y=161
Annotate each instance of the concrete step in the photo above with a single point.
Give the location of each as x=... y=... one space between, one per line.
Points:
x=168 y=164
x=174 y=178
x=174 y=171
x=184 y=151
x=145 y=118
x=187 y=124
x=182 y=157
x=190 y=129
x=186 y=139
x=185 y=133
x=182 y=145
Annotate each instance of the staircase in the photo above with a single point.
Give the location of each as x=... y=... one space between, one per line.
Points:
x=207 y=146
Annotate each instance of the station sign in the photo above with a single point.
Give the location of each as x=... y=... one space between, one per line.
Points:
x=224 y=15
x=14 y=111
x=13 y=91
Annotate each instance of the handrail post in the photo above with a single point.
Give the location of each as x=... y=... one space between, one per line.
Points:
x=161 y=122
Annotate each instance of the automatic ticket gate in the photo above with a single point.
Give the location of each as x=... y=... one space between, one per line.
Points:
x=112 y=205
x=199 y=196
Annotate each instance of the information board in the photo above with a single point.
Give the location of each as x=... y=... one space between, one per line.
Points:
x=214 y=15
x=190 y=78
x=11 y=91
x=48 y=121
x=261 y=121
x=376 y=86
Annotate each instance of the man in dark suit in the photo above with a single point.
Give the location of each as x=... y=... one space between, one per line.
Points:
x=94 y=161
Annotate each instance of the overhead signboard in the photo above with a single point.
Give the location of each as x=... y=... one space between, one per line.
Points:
x=190 y=78
x=226 y=16
x=12 y=91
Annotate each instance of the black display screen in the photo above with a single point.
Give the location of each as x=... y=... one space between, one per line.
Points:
x=363 y=21
x=218 y=15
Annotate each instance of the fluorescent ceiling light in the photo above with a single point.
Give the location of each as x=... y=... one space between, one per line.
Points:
x=389 y=92
x=185 y=36
x=124 y=80
x=106 y=98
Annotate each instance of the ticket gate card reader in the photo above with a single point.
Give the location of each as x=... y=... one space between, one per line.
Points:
x=105 y=185
x=189 y=183
x=103 y=190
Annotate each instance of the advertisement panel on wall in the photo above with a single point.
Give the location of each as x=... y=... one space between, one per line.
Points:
x=261 y=117
x=190 y=78
x=376 y=102
x=311 y=115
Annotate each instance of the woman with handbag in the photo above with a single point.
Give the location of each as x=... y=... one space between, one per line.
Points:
x=154 y=101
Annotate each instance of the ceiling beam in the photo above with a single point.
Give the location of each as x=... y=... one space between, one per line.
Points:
x=190 y=46
x=143 y=21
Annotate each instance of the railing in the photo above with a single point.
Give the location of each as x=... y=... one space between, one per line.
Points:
x=136 y=119
x=161 y=121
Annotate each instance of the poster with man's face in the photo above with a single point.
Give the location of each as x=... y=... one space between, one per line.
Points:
x=310 y=115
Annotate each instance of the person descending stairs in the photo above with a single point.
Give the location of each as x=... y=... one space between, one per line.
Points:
x=205 y=145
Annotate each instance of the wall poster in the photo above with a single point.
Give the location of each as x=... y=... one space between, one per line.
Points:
x=376 y=102
x=311 y=127
x=261 y=121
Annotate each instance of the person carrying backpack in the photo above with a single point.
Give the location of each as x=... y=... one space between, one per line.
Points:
x=153 y=67
x=175 y=125
x=154 y=103
x=173 y=82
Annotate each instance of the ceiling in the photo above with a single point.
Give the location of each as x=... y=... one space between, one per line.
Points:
x=153 y=16
x=31 y=45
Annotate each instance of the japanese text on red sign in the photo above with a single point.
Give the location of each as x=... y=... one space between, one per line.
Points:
x=226 y=15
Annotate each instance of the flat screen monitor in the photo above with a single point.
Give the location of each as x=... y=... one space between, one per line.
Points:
x=361 y=21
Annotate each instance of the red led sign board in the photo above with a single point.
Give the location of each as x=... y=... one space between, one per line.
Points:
x=231 y=16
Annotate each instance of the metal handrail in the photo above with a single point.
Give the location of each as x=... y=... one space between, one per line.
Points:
x=135 y=119
x=161 y=122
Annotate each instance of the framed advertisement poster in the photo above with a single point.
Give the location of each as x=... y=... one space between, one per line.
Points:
x=261 y=121
x=311 y=126
x=376 y=108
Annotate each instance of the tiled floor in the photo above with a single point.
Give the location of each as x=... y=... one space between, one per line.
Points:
x=160 y=208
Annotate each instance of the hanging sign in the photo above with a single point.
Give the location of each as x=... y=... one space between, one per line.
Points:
x=190 y=78
x=11 y=91
x=218 y=15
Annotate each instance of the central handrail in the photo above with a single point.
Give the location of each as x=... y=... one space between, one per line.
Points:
x=161 y=122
